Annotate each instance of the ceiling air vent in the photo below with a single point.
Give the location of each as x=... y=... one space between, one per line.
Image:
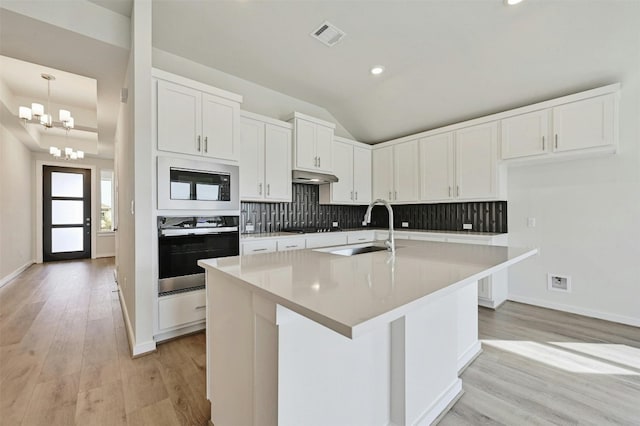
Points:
x=328 y=34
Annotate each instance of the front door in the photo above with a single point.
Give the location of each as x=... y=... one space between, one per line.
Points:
x=66 y=215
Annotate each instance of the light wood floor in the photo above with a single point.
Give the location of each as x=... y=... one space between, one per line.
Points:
x=64 y=359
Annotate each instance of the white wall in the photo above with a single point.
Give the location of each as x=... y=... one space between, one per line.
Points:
x=587 y=214
x=256 y=98
x=16 y=206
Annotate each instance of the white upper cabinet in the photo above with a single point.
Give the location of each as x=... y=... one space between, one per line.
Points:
x=382 y=160
x=219 y=127
x=589 y=123
x=265 y=159
x=476 y=162
x=251 y=158
x=361 y=175
x=277 y=162
x=352 y=166
x=179 y=118
x=395 y=173
x=525 y=135
x=437 y=162
x=406 y=174
x=195 y=122
x=312 y=144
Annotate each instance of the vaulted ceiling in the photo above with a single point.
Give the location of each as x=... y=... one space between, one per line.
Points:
x=446 y=60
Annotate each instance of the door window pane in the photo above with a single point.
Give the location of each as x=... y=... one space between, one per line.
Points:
x=66 y=184
x=106 y=200
x=66 y=239
x=65 y=212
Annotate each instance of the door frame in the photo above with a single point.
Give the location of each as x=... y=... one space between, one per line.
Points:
x=39 y=202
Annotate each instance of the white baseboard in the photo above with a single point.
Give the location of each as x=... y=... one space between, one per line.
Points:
x=15 y=273
x=635 y=322
x=442 y=404
x=168 y=335
x=137 y=349
x=98 y=256
x=469 y=356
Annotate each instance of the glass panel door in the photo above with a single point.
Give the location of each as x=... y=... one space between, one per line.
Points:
x=66 y=213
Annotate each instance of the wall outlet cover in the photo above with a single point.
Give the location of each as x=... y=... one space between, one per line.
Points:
x=334 y=224
x=531 y=222
x=467 y=226
x=557 y=282
x=405 y=224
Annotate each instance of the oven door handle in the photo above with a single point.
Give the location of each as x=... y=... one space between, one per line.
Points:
x=197 y=231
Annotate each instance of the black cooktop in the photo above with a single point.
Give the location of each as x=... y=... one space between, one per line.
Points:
x=310 y=230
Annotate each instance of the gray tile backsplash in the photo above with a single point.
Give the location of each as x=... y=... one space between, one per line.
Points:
x=305 y=210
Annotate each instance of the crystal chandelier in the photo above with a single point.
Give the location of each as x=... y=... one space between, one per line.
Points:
x=37 y=114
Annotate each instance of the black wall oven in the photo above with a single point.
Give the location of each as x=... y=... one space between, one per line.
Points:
x=182 y=241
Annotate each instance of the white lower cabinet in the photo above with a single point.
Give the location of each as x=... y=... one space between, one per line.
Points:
x=327 y=240
x=181 y=309
x=361 y=237
x=262 y=246
x=290 y=244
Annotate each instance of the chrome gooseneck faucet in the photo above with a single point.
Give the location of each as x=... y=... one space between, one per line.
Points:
x=390 y=243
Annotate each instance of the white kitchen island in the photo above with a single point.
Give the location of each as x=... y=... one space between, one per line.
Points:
x=313 y=338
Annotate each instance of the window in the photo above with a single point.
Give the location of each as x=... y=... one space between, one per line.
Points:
x=106 y=200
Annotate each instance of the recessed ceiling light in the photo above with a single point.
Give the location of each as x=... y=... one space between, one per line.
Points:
x=377 y=70
x=511 y=2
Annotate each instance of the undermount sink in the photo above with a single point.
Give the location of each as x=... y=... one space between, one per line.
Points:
x=351 y=251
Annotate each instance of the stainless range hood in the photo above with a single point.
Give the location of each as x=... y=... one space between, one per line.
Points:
x=312 y=178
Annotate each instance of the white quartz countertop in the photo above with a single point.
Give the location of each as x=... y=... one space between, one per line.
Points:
x=352 y=295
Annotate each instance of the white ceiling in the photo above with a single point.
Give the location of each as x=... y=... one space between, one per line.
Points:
x=445 y=61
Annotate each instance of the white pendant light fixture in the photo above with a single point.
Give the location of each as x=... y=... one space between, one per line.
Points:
x=36 y=112
x=69 y=153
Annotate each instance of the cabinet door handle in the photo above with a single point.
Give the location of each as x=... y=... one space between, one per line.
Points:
x=390 y=196
x=206 y=144
x=543 y=144
x=556 y=141
x=199 y=145
x=356 y=195
x=259 y=189
x=458 y=190
x=449 y=190
x=290 y=246
x=261 y=249
x=315 y=161
x=351 y=195
x=319 y=161
x=200 y=307
x=395 y=195
x=268 y=189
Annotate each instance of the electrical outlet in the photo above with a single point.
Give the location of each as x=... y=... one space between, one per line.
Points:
x=405 y=224
x=531 y=222
x=467 y=226
x=334 y=224
x=249 y=227
x=558 y=282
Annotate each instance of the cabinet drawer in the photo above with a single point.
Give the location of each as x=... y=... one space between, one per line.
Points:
x=326 y=241
x=479 y=241
x=361 y=237
x=435 y=238
x=256 y=247
x=181 y=309
x=291 y=244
